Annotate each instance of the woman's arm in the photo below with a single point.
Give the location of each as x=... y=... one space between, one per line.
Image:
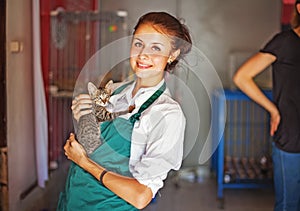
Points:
x=127 y=188
x=243 y=78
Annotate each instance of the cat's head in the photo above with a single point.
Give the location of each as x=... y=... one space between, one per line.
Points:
x=99 y=96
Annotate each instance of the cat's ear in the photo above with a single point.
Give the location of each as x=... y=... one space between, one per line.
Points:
x=108 y=86
x=91 y=88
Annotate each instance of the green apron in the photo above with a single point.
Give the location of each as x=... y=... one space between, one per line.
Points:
x=82 y=191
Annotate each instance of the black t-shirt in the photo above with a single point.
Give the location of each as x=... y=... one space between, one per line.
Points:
x=286 y=88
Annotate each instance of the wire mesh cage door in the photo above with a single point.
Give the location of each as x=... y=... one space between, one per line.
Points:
x=75 y=37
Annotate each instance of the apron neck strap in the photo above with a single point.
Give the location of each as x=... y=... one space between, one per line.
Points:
x=121 y=88
x=135 y=117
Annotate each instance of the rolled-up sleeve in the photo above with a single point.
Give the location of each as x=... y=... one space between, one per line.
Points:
x=157 y=145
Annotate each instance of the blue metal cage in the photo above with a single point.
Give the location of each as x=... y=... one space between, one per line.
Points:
x=242 y=158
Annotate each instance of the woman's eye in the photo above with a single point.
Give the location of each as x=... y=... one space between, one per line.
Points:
x=138 y=44
x=155 y=48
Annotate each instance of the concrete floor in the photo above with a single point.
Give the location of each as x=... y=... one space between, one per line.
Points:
x=180 y=193
x=201 y=195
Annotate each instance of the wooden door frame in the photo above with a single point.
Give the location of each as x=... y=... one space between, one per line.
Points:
x=3 y=110
x=3 y=126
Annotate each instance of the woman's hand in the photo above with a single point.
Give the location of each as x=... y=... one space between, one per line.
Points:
x=74 y=151
x=81 y=105
x=127 y=188
x=274 y=121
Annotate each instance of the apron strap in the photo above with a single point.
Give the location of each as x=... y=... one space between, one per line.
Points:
x=135 y=117
x=121 y=88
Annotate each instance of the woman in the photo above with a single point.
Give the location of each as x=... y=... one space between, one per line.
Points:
x=139 y=148
x=283 y=52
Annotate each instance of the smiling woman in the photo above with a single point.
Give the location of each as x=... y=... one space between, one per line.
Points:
x=150 y=53
x=139 y=148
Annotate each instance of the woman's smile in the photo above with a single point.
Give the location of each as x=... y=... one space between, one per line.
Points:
x=142 y=65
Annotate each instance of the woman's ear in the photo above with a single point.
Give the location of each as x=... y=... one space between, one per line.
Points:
x=174 y=55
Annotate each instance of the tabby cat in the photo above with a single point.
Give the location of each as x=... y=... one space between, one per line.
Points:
x=88 y=132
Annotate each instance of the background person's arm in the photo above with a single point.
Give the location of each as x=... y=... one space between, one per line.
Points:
x=244 y=79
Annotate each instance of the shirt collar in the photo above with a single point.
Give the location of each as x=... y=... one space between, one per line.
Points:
x=143 y=93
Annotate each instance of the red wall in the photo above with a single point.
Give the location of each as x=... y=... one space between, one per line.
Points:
x=58 y=109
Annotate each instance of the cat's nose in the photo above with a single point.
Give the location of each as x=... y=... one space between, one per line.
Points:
x=104 y=100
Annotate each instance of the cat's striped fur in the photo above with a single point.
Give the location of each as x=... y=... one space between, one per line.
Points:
x=88 y=132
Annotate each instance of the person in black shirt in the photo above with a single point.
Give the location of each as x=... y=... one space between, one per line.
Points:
x=283 y=53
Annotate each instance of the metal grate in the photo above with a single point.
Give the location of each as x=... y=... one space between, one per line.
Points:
x=246 y=141
x=242 y=158
x=75 y=37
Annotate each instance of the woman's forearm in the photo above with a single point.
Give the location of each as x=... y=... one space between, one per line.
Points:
x=249 y=87
x=127 y=188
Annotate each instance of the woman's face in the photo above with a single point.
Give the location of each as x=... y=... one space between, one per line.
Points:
x=150 y=52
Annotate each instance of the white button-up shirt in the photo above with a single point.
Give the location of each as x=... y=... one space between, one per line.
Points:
x=157 y=138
